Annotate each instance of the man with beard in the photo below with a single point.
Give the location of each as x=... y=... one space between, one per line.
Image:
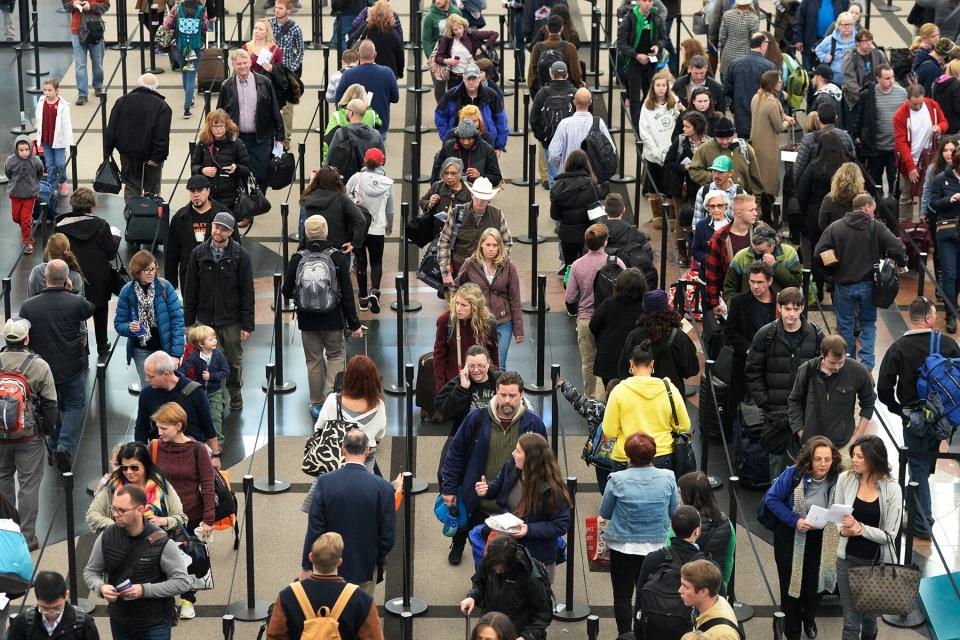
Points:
x=473 y=388
x=483 y=444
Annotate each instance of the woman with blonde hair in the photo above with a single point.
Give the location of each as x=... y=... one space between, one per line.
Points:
x=339 y=116
x=846 y=183
x=58 y=248
x=946 y=91
x=459 y=46
x=466 y=323
x=927 y=36
x=222 y=157
x=380 y=31
x=263 y=49
x=768 y=122
x=655 y=126
x=491 y=269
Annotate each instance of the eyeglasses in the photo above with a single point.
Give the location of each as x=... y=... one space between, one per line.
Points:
x=119 y=511
x=129 y=467
x=451 y=173
x=48 y=611
x=716 y=206
x=150 y=270
x=477 y=367
x=218 y=125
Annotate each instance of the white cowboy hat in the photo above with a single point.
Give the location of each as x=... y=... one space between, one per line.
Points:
x=482 y=189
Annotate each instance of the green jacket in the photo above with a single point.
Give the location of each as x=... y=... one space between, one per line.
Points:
x=787 y=272
x=430 y=31
x=339 y=119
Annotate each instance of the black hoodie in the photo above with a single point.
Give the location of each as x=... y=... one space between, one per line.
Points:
x=94 y=246
x=570 y=197
x=847 y=237
x=345 y=221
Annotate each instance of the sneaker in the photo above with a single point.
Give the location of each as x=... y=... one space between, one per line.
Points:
x=315 y=411
x=81 y=100
x=33 y=544
x=64 y=189
x=456 y=552
x=28 y=249
x=187 y=114
x=236 y=402
x=374 y=300
x=61 y=459
x=363 y=304
x=186 y=610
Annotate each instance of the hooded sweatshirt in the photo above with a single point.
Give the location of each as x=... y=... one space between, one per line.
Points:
x=361 y=135
x=655 y=129
x=641 y=403
x=374 y=190
x=24 y=173
x=849 y=237
x=946 y=91
x=838 y=46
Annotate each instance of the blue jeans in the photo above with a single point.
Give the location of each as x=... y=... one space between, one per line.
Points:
x=56 y=161
x=156 y=632
x=949 y=253
x=139 y=357
x=72 y=396
x=189 y=78
x=505 y=334
x=80 y=52
x=854 y=623
x=920 y=470
x=847 y=300
x=341 y=29
x=520 y=49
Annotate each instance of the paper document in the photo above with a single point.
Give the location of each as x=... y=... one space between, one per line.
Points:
x=504 y=523
x=264 y=56
x=789 y=156
x=819 y=517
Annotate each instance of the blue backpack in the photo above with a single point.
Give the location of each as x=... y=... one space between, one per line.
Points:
x=938 y=384
x=189 y=29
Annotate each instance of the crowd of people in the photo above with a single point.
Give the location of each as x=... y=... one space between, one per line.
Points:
x=711 y=122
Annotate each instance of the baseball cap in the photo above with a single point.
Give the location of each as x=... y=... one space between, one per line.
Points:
x=198 y=181
x=722 y=163
x=224 y=219
x=16 y=329
x=471 y=71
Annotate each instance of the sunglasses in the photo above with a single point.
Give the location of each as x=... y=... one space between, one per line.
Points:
x=129 y=467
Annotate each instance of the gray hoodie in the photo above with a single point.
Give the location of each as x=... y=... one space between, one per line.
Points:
x=24 y=173
x=374 y=190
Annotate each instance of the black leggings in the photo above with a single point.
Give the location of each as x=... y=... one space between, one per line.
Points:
x=100 y=328
x=372 y=245
x=624 y=571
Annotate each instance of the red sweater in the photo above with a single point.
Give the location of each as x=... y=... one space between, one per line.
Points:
x=191 y=474
x=445 y=366
x=901 y=131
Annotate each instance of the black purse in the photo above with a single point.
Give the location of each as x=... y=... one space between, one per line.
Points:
x=250 y=201
x=119 y=276
x=107 y=178
x=683 y=459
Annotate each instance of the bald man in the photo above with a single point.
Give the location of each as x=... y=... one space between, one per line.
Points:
x=357 y=134
x=571 y=131
x=376 y=79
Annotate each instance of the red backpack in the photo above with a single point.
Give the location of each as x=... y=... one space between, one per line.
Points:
x=15 y=402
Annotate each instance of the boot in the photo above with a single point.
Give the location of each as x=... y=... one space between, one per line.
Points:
x=951 y=323
x=672 y=214
x=683 y=247
x=656 y=210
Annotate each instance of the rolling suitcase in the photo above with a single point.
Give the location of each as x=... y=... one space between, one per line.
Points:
x=212 y=70
x=919 y=233
x=425 y=393
x=144 y=214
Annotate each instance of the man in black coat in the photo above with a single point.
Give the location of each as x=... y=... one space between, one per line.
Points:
x=218 y=292
x=191 y=225
x=554 y=99
x=697 y=77
x=52 y=611
x=261 y=126
x=58 y=334
x=476 y=154
x=359 y=506
x=139 y=128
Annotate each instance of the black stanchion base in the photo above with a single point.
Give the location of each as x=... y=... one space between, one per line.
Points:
x=87 y=606
x=420 y=179
x=417 y=607
x=525 y=239
x=286 y=306
x=120 y=47
x=913 y=619
x=538 y=390
x=887 y=8
x=578 y=611
x=23 y=130
x=520 y=182
x=690 y=390
x=240 y=611
x=515 y=132
x=411 y=307
x=395 y=389
x=154 y=70
x=598 y=90
x=530 y=307
x=623 y=179
x=294 y=237
x=507 y=93
x=744 y=611
x=412 y=69
x=283 y=386
x=420 y=90
x=418 y=486
x=313 y=46
x=34 y=91
x=31 y=72
x=263 y=485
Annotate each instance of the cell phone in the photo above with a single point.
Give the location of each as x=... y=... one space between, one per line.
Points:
x=652 y=58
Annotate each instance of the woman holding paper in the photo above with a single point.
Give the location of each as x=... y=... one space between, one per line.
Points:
x=263 y=49
x=869 y=531
x=806 y=564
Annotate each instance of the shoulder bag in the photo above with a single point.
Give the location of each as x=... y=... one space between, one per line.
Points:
x=886 y=278
x=683 y=458
x=882 y=588
x=250 y=201
x=321 y=453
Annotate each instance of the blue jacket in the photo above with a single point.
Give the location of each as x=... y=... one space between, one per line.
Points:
x=805 y=27
x=779 y=497
x=927 y=68
x=360 y=507
x=491 y=109
x=169 y=314
x=219 y=369
x=740 y=85
x=467 y=455
x=639 y=502
x=542 y=531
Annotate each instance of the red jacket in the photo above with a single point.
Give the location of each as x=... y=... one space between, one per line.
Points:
x=901 y=132
x=98 y=7
x=446 y=366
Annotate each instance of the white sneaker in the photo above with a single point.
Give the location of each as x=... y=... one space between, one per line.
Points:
x=186 y=610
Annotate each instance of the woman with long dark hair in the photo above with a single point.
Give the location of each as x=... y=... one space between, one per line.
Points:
x=942 y=205
x=222 y=157
x=326 y=196
x=613 y=321
x=718 y=536
x=572 y=195
x=468 y=322
x=675 y=355
x=494 y=625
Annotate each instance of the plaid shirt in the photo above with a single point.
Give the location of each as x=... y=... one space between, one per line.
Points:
x=715 y=268
x=291 y=43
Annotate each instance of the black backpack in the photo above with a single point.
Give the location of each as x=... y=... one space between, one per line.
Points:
x=716 y=622
x=604 y=280
x=91 y=28
x=602 y=153
x=555 y=108
x=886 y=276
x=662 y=612
x=547 y=57
x=346 y=157
x=638 y=256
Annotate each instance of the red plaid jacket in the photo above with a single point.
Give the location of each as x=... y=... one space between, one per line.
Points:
x=719 y=254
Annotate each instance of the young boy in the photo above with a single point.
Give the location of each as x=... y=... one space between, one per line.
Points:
x=208 y=365
x=24 y=171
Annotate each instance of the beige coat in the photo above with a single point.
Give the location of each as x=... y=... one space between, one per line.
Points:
x=765 y=129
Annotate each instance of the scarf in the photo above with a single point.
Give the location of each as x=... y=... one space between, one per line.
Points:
x=827 y=577
x=156 y=495
x=146 y=311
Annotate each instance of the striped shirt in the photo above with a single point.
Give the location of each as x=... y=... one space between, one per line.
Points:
x=887 y=105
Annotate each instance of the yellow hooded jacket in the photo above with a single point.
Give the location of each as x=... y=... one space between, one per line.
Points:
x=641 y=404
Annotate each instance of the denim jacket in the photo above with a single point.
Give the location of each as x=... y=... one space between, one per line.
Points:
x=639 y=502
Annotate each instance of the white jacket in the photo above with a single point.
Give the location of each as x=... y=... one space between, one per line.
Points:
x=655 y=128
x=373 y=190
x=63 y=133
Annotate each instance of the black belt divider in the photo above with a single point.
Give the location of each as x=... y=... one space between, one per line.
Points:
x=529 y=175
x=37 y=71
x=921 y=274
x=555 y=408
x=286 y=304
x=7 y=305
x=622 y=177
x=316 y=27
x=715 y=482
x=536 y=299
x=229 y=627
x=249 y=609
x=407 y=605
x=417 y=70
x=571 y=610
x=272 y=484
x=530 y=169
x=501 y=43
x=915 y=618
x=279 y=384
x=409 y=306
x=611 y=73
x=400 y=282
x=744 y=611
x=540 y=387
x=102 y=411
x=322 y=97
x=25 y=128
x=338 y=27
x=416 y=484
x=86 y=605
x=593 y=625
x=517 y=91
x=595 y=44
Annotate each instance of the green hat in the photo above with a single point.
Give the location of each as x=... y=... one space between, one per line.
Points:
x=722 y=163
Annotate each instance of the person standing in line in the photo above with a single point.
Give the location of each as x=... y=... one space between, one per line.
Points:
x=916 y=125
x=54 y=133
x=289 y=37
x=189 y=20
x=77 y=10
x=23 y=171
x=377 y=79
x=742 y=80
x=700 y=583
x=372 y=188
x=873 y=133
x=641 y=37
x=53 y=613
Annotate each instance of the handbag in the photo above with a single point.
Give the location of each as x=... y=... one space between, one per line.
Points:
x=107 y=178
x=440 y=72
x=321 y=453
x=886 y=277
x=699 y=26
x=882 y=588
x=164 y=37
x=282 y=169
x=598 y=449
x=250 y=201
x=683 y=458
x=195 y=558
x=118 y=276
x=429 y=270
x=598 y=554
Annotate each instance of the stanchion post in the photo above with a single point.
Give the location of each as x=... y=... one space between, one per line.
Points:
x=271 y=485
x=24 y=128
x=286 y=303
x=103 y=117
x=533 y=305
x=250 y=609
x=526 y=178
x=517 y=73
x=806 y=276
x=417 y=485
x=36 y=72
x=571 y=610
x=595 y=49
x=279 y=385
x=530 y=170
x=229 y=627
x=704 y=437
x=744 y=611
x=207 y=102
x=86 y=605
x=73 y=166
x=102 y=411
x=779 y=624
x=622 y=178
x=611 y=72
x=555 y=408
x=540 y=387
x=407 y=604
x=638 y=185
x=903 y=458
x=921 y=273
x=501 y=67
x=400 y=388
x=593 y=627
x=409 y=306
x=664 y=230
x=7 y=304
x=316 y=39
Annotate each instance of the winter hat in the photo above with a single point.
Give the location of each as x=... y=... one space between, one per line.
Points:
x=943 y=46
x=724 y=129
x=467 y=128
x=824 y=71
x=654 y=301
x=316 y=227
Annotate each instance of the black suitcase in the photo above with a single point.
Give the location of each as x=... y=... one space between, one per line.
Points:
x=425 y=392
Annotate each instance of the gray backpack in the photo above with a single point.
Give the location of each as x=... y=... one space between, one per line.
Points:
x=318 y=289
